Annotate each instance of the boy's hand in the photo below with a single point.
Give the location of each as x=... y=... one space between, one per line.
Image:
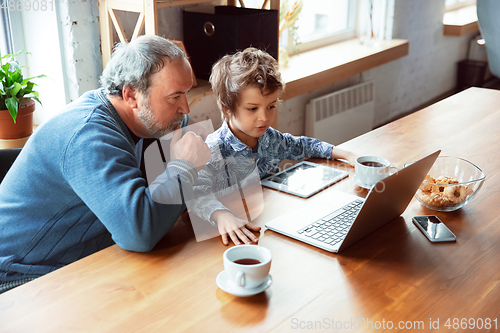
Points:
x=238 y=230
x=342 y=154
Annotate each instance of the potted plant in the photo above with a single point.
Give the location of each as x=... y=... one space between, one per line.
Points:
x=17 y=99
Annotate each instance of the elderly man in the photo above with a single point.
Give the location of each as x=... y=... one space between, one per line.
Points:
x=77 y=187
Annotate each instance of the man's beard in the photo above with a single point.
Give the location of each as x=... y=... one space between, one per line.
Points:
x=153 y=127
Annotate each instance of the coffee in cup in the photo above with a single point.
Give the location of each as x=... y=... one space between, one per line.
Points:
x=371 y=169
x=247 y=261
x=373 y=164
x=247 y=266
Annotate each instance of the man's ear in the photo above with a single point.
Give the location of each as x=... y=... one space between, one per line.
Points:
x=130 y=95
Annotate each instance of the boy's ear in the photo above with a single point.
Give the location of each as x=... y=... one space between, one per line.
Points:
x=226 y=111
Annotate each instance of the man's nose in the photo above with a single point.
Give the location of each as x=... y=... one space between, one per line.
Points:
x=184 y=105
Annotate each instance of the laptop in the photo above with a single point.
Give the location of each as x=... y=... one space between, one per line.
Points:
x=343 y=219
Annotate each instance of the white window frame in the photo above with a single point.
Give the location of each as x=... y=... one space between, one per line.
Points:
x=333 y=38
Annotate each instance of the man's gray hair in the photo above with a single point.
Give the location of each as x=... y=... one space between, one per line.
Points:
x=133 y=64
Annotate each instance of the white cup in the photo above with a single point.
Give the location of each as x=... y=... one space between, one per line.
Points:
x=371 y=169
x=247 y=276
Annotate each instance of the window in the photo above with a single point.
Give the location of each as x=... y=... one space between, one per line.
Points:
x=13 y=24
x=324 y=22
x=313 y=24
x=321 y=22
x=457 y=4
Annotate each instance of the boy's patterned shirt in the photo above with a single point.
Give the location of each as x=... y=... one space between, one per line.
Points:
x=232 y=161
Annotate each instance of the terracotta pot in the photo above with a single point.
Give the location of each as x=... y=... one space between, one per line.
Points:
x=24 y=121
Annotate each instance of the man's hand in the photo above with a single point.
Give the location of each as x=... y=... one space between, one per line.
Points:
x=190 y=148
x=239 y=231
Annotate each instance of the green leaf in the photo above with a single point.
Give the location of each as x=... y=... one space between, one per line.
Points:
x=8 y=79
x=35 y=97
x=8 y=91
x=34 y=77
x=17 y=76
x=15 y=54
x=29 y=87
x=15 y=64
x=12 y=105
x=5 y=56
x=16 y=88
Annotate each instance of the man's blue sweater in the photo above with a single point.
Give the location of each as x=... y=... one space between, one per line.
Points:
x=76 y=188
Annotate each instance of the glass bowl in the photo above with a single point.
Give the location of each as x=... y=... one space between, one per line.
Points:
x=451 y=183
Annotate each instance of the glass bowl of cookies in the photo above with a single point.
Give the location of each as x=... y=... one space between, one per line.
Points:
x=452 y=182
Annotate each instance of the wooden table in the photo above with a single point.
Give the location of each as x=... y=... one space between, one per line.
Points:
x=393 y=277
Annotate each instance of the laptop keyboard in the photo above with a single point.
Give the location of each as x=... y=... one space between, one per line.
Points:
x=333 y=227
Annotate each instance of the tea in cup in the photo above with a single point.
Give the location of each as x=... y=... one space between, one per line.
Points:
x=371 y=169
x=247 y=266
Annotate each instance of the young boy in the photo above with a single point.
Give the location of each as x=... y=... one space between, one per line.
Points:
x=247 y=86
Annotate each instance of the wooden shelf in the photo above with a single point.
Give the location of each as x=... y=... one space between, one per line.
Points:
x=461 y=21
x=317 y=68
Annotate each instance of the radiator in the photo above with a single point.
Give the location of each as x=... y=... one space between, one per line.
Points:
x=341 y=115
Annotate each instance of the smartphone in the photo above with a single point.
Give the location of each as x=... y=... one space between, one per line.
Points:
x=434 y=229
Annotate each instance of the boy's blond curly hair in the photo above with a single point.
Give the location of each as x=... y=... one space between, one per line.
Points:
x=249 y=68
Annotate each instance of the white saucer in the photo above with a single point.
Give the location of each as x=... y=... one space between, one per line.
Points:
x=228 y=286
x=356 y=181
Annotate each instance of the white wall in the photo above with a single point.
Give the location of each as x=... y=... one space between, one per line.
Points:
x=430 y=68
x=80 y=42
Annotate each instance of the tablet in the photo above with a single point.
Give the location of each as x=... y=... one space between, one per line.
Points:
x=304 y=178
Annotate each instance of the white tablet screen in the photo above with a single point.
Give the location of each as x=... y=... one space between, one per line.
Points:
x=304 y=179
